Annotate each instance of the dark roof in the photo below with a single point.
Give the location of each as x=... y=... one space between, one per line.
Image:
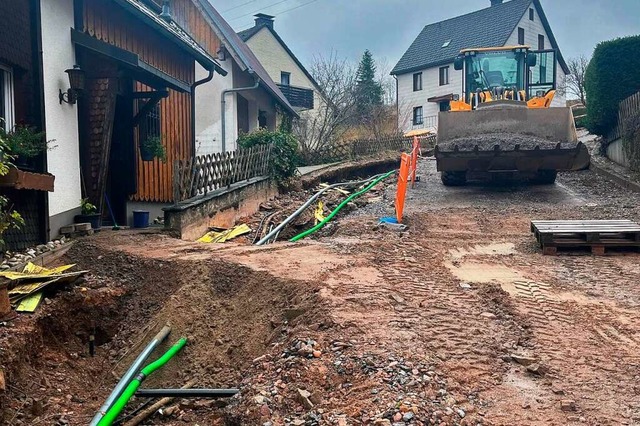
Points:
x=245 y=58
x=483 y=28
x=250 y=32
x=173 y=31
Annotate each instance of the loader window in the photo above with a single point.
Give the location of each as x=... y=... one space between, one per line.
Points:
x=490 y=70
x=542 y=76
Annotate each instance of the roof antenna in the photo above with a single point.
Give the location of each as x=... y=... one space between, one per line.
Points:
x=166 y=10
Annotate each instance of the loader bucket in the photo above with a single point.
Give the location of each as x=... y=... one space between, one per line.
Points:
x=509 y=139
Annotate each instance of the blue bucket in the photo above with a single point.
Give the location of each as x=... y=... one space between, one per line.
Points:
x=140 y=219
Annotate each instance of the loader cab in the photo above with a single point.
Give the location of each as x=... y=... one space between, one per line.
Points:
x=507 y=74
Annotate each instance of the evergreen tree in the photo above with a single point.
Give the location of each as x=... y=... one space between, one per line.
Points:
x=368 y=91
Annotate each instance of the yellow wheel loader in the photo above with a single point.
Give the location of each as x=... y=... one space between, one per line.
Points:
x=503 y=125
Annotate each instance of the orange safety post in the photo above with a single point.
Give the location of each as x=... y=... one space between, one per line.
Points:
x=403 y=180
x=414 y=160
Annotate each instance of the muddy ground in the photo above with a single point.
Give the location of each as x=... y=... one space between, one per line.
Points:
x=458 y=321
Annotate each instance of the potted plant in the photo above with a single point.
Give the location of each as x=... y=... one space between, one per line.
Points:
x=25 y=143
x=89 y=214
x=152 y=148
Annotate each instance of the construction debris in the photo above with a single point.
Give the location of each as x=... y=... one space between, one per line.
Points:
x=26 y=288
x=225 y=235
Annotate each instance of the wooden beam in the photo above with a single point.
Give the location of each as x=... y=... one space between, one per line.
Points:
x=148 y=106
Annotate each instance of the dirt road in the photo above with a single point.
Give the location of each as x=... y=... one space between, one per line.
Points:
x=458 y=321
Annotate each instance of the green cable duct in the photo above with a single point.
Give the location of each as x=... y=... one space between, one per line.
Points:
x=340 y=206
x=126 y=395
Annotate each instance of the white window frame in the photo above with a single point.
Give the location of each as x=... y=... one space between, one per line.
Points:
x=417 y=81
x=443 y=76
x=9 y=98
x=285 y=74
x=417 y=120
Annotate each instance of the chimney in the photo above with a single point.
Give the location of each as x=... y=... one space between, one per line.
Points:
x=166 y=10
x=496 y=2
x=263 y=20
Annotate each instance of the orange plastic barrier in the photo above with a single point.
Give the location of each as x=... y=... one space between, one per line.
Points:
x=403 y=180
x=414 y=160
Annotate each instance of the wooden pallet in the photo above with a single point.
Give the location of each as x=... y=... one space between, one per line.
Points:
x=595 y=234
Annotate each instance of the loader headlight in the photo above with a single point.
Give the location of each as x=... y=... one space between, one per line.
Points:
x=456 y=97
x=540 y=93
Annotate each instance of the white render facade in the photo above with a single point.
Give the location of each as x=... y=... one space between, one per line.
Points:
x=408 y=99
x=276 y=60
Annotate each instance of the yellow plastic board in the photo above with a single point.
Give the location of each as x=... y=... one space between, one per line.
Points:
x=229 y=234
x=30 y=303
x=319 y=213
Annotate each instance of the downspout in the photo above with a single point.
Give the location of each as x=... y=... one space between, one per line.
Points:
x=193 y=108
x=223 y=113
x=395 y=77
x=38 y=71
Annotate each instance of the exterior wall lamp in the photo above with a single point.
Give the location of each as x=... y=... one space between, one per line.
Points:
x=76 y=83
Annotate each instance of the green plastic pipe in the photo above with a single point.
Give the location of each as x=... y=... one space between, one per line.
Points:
x=126 y=395
x=340 y=206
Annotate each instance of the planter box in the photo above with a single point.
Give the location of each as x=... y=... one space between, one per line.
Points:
x=20 y=179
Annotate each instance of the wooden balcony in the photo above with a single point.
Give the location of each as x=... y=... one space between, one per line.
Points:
x=298 y=97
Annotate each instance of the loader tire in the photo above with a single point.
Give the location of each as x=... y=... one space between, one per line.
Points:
x=545 y=177
x=454 y=178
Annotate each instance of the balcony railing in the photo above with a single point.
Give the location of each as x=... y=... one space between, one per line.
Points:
x=298 y=97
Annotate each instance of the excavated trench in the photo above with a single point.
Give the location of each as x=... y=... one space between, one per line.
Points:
x=230 y=314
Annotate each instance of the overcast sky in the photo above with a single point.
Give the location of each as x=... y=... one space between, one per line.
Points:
x=387 y=27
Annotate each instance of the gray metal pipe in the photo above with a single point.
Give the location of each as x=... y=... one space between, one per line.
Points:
x=310 y=201
x=130 y=374
x=186 y=393
x=223 y=113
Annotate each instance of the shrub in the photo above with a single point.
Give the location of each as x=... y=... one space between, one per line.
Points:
x=612 y=75
x=9 y=218
x=25 y=142
x=284 y=153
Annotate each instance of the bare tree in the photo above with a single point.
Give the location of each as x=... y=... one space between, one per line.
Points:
x=387 y=82
x=575 y=80
x=333 y=113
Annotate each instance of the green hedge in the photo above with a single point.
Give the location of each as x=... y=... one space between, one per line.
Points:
x=284 y=154
x=612 y=75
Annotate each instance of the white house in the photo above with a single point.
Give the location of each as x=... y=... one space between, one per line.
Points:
x=283 y=66
x=248 y=92
x=426 y=79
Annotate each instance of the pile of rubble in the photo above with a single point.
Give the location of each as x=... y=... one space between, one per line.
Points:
x=310 y=383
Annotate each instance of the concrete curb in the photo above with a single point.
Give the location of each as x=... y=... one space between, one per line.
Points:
x=620 y=180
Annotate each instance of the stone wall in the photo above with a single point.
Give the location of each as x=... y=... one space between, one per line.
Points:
x=190 y=220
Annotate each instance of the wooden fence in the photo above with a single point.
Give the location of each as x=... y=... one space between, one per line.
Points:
x=205 y=173
x=627 y=108
x=362 y=148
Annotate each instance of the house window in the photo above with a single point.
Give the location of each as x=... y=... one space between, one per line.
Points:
x=417 y=81
x=285 y=78
x=531 y=14
x=520 y=36
x=444 y=76
x=540 y=42
x=150 y=126
x=417 y=116
x=6 y=98
x=446 y=43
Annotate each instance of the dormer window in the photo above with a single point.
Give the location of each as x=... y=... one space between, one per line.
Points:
x=446 y=43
